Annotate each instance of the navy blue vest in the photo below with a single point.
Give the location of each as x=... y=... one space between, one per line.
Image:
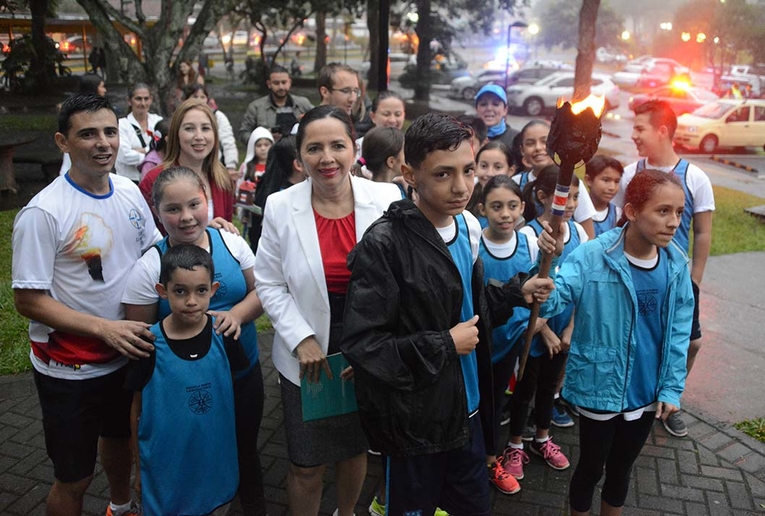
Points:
x=608 y=223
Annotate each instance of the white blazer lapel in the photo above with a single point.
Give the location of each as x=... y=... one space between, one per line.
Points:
x=305 y=224
x=365 y=209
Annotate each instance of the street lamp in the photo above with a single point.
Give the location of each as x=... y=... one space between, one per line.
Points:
x=626 y=35
x=514 y=25
x=685 y=36
x=534 y=30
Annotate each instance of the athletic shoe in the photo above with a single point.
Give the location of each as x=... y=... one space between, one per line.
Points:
x=135 y=510
x=551 y=453
x=675 y=425
x=573 y=409
x=560 y=417
x=515 y=459
x=376 y=508
x=502 y=480
x=440 y=512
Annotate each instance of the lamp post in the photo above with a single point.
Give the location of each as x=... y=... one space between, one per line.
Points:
x=514 y=25
x=534 y=30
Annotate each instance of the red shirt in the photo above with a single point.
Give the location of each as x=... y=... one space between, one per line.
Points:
x=336 y=239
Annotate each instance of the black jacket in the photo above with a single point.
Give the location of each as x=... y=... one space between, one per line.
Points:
x=404 y=296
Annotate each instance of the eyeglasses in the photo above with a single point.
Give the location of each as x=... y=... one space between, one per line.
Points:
x=348 y=91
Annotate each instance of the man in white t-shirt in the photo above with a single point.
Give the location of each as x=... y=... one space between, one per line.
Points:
x=653 y=130
x=74 y=245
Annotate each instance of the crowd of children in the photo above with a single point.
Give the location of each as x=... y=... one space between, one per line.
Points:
x=425 y=289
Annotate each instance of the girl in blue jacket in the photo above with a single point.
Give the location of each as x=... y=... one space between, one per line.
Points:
x=626 y=367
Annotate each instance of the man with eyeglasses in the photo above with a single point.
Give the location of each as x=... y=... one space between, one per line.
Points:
x=278 y=111
x=338 y=86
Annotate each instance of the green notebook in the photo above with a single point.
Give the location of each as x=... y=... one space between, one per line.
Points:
x=328 y=398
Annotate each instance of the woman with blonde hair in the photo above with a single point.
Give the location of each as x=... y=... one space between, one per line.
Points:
x=193 y=142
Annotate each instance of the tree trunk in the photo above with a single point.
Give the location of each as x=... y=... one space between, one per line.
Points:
x=321 y=41
x=425 y=33
x=375 y=52
x=159 y=41
x=585 y=56
x=43 y=70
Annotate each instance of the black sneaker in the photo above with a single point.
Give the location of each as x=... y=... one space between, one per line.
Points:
x=675 y=425
x=505 y=415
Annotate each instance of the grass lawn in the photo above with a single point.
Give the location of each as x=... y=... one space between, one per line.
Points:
x=733 y=232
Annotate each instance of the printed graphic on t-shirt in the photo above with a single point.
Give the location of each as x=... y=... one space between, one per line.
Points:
x=647 y=302
x=91 y=240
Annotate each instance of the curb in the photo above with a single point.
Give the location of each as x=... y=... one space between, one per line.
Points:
x=15 y=385
x=734 y=164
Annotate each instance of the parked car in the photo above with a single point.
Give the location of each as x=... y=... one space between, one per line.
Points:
x=606 y=56
x=530 y=75
x=535 y=98
x=724 y=123
x=75 y=45
x=650 y=72
x=682 y=98
x=467 y=86
x=442 y=71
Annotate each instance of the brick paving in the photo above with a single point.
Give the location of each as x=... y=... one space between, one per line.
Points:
x=716 y=470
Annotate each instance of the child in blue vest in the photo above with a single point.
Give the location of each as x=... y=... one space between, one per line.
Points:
x=602 y=175
x=634 y=306
x=547 y=356
x=182 y=416
x=418 y=321
x=505 y=253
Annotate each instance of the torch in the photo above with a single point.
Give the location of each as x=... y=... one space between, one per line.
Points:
x=574 y=137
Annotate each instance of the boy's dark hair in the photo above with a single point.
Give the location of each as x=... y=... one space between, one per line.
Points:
x=327 y=74
x=276 y=68
x=599 y=163
x=89 y=102
x=659 y=114
x=480 y=131
x=433 y=132
x=184 y=256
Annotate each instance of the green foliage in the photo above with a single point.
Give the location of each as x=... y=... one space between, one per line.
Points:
x=15 y=123
x=17 y=66
x=753 y=428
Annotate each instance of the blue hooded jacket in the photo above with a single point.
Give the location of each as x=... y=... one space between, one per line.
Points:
x=596 y=277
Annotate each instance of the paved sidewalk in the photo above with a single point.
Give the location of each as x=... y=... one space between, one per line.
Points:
x=715 y=471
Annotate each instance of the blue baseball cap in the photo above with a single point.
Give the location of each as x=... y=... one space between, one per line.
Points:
x=492 y=88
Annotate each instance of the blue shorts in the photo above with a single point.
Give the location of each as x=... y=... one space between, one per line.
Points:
x=456 y=481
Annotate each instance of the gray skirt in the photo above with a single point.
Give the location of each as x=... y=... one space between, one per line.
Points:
x=321 y=441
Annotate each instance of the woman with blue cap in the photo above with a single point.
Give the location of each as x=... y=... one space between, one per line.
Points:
x=491 y=106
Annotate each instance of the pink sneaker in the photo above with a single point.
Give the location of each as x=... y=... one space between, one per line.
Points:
x=551 y=453
x=515 y=458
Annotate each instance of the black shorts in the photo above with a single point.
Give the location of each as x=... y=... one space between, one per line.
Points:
x=456 y=480
x=75 y=413
x=695 y=325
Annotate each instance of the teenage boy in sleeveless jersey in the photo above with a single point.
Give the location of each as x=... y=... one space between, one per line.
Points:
x=653 y=130
x=183 y=407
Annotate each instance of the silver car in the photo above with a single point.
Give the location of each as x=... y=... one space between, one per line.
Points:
x=535 y=98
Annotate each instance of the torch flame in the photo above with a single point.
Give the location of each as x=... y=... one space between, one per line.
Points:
x=596 y=102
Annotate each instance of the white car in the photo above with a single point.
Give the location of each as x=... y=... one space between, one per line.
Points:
x=466 y=87
x=544 y=94
x=635 y=70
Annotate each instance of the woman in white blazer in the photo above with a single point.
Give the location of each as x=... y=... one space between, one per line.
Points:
x=300 y=275
x=136 y=132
